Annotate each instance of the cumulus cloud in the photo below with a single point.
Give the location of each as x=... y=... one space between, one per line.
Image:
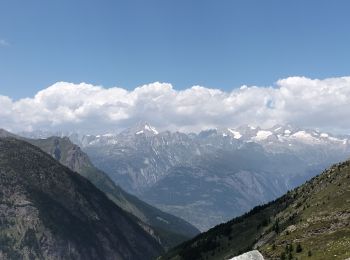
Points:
x=83 y=107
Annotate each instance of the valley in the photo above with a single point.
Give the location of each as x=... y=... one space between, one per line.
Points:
x=309 y=222
x=192 y=175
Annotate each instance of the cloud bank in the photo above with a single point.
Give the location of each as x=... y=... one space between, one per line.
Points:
x=83 y=107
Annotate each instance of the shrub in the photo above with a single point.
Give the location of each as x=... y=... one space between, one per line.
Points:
x=299 y=248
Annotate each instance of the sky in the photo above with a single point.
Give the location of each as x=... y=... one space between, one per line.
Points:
x=121 y=46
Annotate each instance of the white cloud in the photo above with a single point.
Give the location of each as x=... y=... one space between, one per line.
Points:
x=296 y=100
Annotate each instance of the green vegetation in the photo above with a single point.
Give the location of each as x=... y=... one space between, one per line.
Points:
x=310 y=222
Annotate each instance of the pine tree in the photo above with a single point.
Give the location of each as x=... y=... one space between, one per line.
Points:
x=276 y=226
x=299 y=248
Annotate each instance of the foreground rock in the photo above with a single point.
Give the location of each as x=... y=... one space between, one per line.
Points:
x=252 y=255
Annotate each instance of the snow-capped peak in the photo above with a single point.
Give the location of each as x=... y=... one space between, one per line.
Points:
x=151 y=129
x=141 y=128
x=303 y=136
x=262 y=135
x=279 y=134
x=236 y=134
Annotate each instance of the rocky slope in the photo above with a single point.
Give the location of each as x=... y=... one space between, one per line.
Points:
x=309 y=222
x=48 y=211
x=168 y=229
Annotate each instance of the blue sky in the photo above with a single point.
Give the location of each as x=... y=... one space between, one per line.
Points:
x=219 y=44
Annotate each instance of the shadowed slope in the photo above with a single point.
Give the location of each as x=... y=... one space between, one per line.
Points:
x=170 y=230
x=49 y=212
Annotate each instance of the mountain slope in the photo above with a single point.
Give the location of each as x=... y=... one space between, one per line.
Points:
x=199 y=193
x=309 y=222
x=49 y=212
x=169 y=229
x=180 y=173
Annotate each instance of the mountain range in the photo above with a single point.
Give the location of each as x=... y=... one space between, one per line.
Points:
x=190 y=175
x=307 y=222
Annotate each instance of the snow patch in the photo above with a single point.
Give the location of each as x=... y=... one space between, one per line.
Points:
x=139 y=132
x=236 y=134
x=262 y=135
x=162 y=219
x=334 y=139
x=304 y=137
x=287 y=132
x=324 y=135
x=151 y=129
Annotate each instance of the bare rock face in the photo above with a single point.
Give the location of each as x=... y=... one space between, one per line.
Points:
x=4 y=133
x=49 y=212
x=168 y=229
x=251 y=255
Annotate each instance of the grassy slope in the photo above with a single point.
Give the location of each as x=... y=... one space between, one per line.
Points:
x=316 y=215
